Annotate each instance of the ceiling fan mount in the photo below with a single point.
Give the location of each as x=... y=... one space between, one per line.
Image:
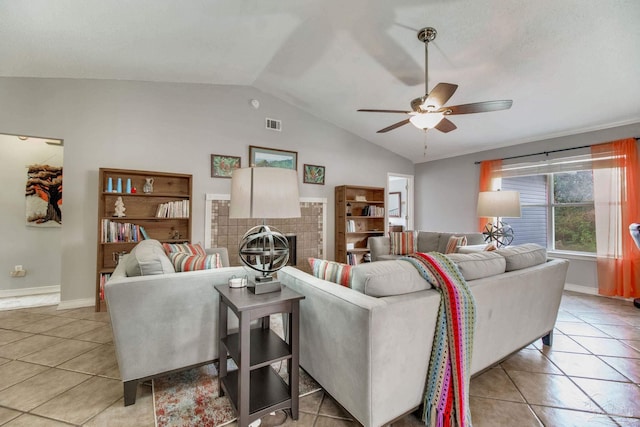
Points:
x=428 y=111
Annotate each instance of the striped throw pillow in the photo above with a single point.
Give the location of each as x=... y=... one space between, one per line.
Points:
x=403 y=242
x=454 y=242
x=185 y=262
x=332 y=271
x=187 y=248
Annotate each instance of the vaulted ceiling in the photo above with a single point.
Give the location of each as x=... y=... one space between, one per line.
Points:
x=569 y=66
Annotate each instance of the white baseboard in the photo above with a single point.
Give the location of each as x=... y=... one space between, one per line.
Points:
x=8 y=293
x=581 y=289
x=76 y=303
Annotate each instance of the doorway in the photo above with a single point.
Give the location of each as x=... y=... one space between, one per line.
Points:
x=399 y=202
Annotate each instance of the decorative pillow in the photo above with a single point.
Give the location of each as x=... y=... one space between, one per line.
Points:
x=490 y=247
x=454 y=242
x=332 y=271
x=403 y=242
x=187 y=248
x=147 y=258
x=185 y=262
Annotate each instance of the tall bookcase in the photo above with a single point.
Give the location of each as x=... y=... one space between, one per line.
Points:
x=120 y=235
x=360 y=214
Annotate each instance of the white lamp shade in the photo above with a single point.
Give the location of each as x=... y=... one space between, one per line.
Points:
x=426 y=120
x=503 y=204
x=262 y=192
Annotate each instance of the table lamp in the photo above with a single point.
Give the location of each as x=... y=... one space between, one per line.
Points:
x=498 y=204
x=262 y=193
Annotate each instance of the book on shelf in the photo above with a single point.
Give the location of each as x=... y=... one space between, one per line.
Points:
x=175 y=209
x=351 y=226
x=104 y=277
x=113 y=231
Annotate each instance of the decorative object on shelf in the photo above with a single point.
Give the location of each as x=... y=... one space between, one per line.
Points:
x=119 y=208
x=117 y=256
x=174 y=235
x=361 y=198
x=223 y=166
x=119 y=186
x=128 y=185
x=110 y=185
x=148 y=185
x=349 y=209
x=261 y=193
x=134 y=190
x=43 y=196
x=313 y=174
x=272 y=158
x=498 y=204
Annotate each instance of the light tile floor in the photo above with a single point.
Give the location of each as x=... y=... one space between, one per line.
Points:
x=58 y=368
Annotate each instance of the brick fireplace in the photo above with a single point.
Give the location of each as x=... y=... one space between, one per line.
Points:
x=309 y=231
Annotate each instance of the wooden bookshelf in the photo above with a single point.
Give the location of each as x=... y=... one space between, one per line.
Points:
x=360 y=214
x=140 y=211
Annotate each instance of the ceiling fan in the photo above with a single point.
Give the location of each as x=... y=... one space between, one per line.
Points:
x=428 y=112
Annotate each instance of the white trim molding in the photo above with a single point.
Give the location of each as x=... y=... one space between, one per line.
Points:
x=76 y=303
x=8 y=293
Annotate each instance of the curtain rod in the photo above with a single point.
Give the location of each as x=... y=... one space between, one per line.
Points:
x=546 y=153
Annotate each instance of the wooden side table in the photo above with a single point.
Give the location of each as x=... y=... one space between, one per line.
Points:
x=255 y=389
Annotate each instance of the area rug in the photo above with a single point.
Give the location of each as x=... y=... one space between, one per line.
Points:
x=190 y=398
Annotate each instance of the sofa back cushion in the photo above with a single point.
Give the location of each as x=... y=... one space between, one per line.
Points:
x=148 y=258
x=428 y=241
x=403 y=242
x=386 y=278
x=332 y=271
x=523 y=256
x=479 y=264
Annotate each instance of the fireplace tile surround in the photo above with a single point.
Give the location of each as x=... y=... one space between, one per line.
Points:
x=309 y=229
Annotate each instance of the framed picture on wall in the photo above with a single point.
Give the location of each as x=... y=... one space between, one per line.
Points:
x=222 y=166
x=313 y=174
x=272 y=158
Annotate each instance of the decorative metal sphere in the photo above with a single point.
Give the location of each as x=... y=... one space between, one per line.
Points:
x=264 y=249
x=500 y=233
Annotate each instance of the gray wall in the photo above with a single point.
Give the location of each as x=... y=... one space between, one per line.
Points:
x=174 y=128
x=37 y=249
x=447 y=190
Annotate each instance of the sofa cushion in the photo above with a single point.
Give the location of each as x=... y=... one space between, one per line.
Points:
x=478 y=265
x=148 y=258
x=187 y=248
x=428 y=241
x=523 y=256
x=332 y=271
x=386 y=278
x=403 y=242
x=185 y=262
x=455 y=242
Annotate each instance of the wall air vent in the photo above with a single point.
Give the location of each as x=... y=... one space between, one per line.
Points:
x=273 y=124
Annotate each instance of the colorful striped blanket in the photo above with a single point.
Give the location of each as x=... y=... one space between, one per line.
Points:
x=446 y=400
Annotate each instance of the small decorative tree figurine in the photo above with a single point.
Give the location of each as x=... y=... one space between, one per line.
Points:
x=119 y=208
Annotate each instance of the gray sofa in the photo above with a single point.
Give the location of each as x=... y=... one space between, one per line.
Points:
x=163 y=321
x=428 y=241
x=369 y=346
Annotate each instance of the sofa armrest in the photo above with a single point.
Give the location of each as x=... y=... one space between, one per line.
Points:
x=379 y=246
x=360 y=348
x=165 y=322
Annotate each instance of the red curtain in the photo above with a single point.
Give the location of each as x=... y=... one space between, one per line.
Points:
x=615 y=176
x=488 y=172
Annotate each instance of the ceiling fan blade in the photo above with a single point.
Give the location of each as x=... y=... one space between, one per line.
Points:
x=478 y=107
x=446 y=125
x=368 y=110
x=393 y=126
x=440 y=94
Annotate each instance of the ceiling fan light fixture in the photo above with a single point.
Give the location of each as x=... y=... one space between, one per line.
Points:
x=426 y=120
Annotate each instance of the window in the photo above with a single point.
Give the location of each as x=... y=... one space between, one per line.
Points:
x=557 y=210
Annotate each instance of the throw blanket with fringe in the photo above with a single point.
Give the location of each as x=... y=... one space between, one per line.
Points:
x=446 y=400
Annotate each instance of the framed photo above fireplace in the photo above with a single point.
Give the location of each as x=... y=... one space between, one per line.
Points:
x=222 y=166
x=313 y=174
x=272 y=158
